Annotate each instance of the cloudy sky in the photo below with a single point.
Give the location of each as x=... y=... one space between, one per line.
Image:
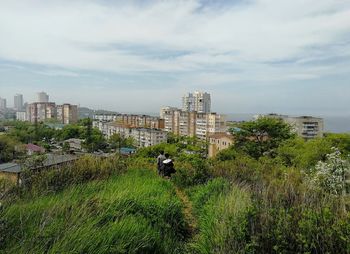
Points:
x=253 y=56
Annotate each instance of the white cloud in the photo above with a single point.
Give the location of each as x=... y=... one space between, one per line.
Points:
x=88 y=35
x=249 y=55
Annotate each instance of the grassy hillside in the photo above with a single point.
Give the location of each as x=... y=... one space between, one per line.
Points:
x=137 y=212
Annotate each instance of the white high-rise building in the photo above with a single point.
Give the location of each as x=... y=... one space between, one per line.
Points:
x=18 y=102
x=2 y=104
x=197 y=101
x=188 y=102
x=43 y=97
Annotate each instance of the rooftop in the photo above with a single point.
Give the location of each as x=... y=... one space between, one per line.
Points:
x=10 y=167
x=220 y=135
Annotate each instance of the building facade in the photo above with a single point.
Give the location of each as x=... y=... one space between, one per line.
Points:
x=3 y=105
x=21 y=116
x=131 y=120
x=41 y=111
x=307 y=127
x=67 y=113
x=219 y=142
x=197 y=101
x=18 y=102
x=185 y=123
x=143 y=137
x=42 y=97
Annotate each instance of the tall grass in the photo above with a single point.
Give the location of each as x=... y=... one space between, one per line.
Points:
x=223 y=212
x=133 y=213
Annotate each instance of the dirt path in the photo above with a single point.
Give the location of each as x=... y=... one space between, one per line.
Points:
x=188 y=211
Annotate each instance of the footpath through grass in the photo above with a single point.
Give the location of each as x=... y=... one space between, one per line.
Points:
x=137 y=212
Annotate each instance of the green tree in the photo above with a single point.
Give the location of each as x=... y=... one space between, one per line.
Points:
x=9 y=149
x=262 y=136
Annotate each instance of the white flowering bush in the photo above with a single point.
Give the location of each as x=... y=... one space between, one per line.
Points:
x=331 y=174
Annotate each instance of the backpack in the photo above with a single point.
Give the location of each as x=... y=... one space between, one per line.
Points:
x=168 y=167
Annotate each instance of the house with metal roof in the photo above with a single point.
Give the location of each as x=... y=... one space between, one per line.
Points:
x=11 y=172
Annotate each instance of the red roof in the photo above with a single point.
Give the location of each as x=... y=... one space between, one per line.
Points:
x=34 y=148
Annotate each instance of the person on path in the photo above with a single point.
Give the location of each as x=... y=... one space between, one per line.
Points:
x=168 y=166
x=160 y=160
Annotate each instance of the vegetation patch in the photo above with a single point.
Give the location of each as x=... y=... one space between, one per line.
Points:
x=133 y=213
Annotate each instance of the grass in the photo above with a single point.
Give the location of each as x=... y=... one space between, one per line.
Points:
x=222 y=210
x=137 y=212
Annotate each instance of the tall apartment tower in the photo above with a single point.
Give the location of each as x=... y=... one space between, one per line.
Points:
x=18 y=102
x=197 y=101
x=41 y=111
x=67 y=113
x=2 y=103
x=43 y=97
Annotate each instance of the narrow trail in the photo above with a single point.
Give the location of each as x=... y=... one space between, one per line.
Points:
x=188 y=211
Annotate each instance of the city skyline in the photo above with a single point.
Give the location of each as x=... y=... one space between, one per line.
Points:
x=289 y=57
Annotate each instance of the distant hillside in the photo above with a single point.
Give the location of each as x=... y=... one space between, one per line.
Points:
x=84 y=112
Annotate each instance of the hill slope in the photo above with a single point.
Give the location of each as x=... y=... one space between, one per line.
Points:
x=137 y=212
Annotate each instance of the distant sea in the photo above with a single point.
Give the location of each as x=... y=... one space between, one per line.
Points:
x=336 y=124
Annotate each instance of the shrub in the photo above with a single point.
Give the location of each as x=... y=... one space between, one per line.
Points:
x=191 y=173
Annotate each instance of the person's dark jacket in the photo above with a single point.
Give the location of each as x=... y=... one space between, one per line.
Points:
x=168 y=167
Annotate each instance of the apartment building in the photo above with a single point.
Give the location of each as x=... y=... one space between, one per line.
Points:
x=219 y=142
x=168 y=114
x=307 y=127
x=145 y=121
x=131 y=120
x=185 y=123
x=208 y=123
x=21 y=116
x=3 y=105
x=18 y=102
x=42 y=97
x=197 y=101
x=143 y=137
x=41 y=111
x=67 y=113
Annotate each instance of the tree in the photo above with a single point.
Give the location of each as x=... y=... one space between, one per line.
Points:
x=262 y=136
x=8 y=149
x=115 y=140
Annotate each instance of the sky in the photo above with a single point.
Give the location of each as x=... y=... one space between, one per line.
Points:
x=252 y=56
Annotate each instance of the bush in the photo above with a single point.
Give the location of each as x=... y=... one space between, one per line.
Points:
x=191 y=173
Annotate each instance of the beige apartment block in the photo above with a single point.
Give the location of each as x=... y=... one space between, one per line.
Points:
x=67 y=113
x=143 y=137
x=141 y=121
x=185 y=123
x=219 y=142
x=41 y=111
